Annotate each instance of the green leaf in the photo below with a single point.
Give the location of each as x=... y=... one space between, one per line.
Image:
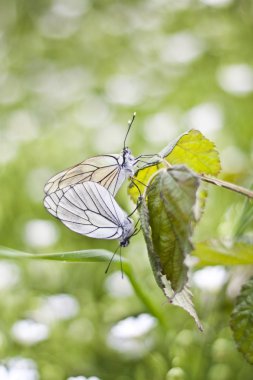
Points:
x=182 y=299
x=242 y=321
x=92 y=255
x=194 y=150
x=191 y=149
x=245 y=218
x=171 y=197
x=153 y=256
x=140 y=180
x=215 y=253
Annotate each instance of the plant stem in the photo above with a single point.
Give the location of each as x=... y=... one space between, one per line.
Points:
x=228 y=185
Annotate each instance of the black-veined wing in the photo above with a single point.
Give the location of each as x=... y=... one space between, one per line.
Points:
x=52 y=200
x=109 y=171
x=90 y=209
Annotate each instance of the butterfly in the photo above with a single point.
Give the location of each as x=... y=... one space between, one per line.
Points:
x=90 y=209
x=109 y=170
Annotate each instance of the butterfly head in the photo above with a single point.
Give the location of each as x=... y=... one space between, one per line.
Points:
x=124 y=243
x=127 y=232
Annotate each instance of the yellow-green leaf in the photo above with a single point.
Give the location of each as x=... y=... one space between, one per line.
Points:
x=141 y=180
x=214 y=253
x=191 y=149
x=194 y=150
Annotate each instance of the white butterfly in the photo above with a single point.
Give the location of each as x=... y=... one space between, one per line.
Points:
x=109 y=170
x=90 y=209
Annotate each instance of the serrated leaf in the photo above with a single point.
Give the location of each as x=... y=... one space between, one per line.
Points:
x=215 y=253
x=242 y=321
x=194 y=150
x=182 y=299
x=171 y=197
x=191 y=149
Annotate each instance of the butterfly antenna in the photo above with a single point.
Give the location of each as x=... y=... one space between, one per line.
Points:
x=109 y=264
x=130 y=122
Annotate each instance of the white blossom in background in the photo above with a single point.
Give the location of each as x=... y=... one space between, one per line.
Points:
x=130 y=336
x=62 y=20
x=126 y=90
x=133 y=327
x=217 y=3
x=174 y=5
x=182 y=48
x=236 y=79
x=86 y=114
x=114 y=143
x=160 y=127
x=210 y=279
x=70 y=8
x=12 y=90
x=206 y=117
x=233 y=160
x=9 y=275
x=55 y=308
x=48 y=84
x=40 y=233
x=83 y=378
x=8 y=151
x=18 y=369
x=22 y=126
x=29 y=332
x=35 y=182
x=118 y=287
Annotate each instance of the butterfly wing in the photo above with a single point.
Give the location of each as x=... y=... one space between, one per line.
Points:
x=105 y=170
x=88 y=209
x=52 y=200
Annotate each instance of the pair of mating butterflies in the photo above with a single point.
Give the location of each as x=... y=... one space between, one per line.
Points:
x=82 y=197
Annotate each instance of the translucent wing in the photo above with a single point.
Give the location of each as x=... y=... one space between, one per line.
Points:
x=106 y=170
x=51 y=201
x=88 y=209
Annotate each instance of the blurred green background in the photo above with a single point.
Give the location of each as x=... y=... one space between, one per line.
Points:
x=72 y=72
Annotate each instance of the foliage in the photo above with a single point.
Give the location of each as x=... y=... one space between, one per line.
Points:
x=72 y=73
x=166 y=274
x=191 y=149
x=241 y=321
x=171 y=197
